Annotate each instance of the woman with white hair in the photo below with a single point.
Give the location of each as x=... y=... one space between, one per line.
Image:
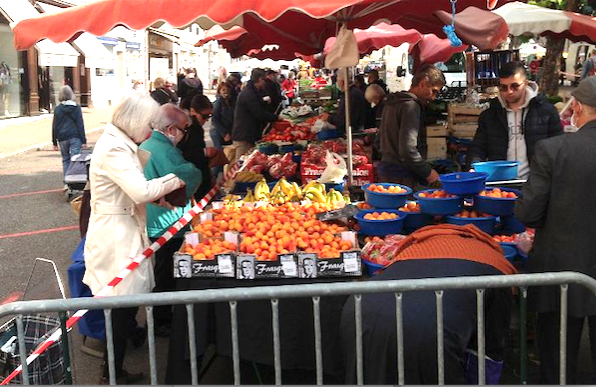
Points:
x=117 y=227
x=68 y=128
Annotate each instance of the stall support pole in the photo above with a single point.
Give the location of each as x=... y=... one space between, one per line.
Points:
x=348 y=126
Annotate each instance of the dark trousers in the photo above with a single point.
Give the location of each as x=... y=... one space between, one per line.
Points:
x=548 y=343
x=121 y=327
x=164 y=278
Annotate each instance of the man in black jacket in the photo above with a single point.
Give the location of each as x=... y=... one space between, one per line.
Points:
x=273 y=90
x=556 y=202
x=358 y=107
x=402 y=136
x=516 y=120
x=250 y=115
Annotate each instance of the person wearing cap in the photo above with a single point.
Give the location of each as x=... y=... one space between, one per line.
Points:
x=251 y=115
x=273 y=90
x=555 y=202
x=515 y=121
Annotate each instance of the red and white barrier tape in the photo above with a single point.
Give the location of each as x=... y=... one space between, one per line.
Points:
x=186 y=218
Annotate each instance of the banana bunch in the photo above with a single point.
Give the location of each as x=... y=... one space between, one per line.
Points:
x=278 y=198
x=315 y=195
x=333 y=197
x=250 y=196
x=262 y=192
x=347 y=199
x=317 y=185
x=232 y=201
x=290 y=191
x=248 y=177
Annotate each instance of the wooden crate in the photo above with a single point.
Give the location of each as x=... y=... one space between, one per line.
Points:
x=464 y=130
x=463 y=120
x=439 y=130
x=436 y=148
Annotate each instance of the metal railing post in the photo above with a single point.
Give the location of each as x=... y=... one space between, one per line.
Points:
x=151 y=340
x=318 y=347
x=440 y=343
x=276 y=343
x=110 y=347
x=400 y=339
x=22 y=349
x=563 y=336
x=359 y=354
x=65 y=349
x=480 y=333
x=192 y=344
x=523 y=334
x=235 y=349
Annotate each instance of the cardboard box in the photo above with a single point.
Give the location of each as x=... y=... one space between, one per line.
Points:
x=439 y=130
x=248 y=268
x=222 y=266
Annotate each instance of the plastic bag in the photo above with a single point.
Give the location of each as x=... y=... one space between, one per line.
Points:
x=318 y=126
x=525 y=241
x=336 y=169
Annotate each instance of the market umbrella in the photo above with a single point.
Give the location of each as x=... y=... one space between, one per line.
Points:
x=433 y=49
x=296 y=25
x=379 y=36
x=527 y=19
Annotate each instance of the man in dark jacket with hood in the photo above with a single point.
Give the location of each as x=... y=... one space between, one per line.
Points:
x=403 y=141
x=273 y=90
x=250 y=115
x=358 y=107
x=516 y=120
x=563 y=171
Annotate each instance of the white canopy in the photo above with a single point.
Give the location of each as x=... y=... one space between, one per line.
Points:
x=526 y=19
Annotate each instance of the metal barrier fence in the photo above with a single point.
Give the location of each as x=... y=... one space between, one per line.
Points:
x=315 y=291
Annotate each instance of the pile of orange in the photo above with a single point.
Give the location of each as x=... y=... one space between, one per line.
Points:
x=372 y=239
x=209 y=248
x=270 y=230
x=364 y=206
x=393 y=189
x=504 y=238
x=410 y=207
x=437 y=194
x=471 y=214
x=498 y=194
x=380 y=216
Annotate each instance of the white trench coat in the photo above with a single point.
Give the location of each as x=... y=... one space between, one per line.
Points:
x=117 y=228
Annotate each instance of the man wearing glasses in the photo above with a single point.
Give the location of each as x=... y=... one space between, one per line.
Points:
x=170 y=128
x=515 y=121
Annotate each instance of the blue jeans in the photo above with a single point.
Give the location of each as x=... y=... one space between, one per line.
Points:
x=69 y=148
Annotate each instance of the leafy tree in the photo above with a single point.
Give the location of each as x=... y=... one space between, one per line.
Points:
x=549 y=82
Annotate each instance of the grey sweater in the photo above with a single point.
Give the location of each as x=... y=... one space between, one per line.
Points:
x=403 y=140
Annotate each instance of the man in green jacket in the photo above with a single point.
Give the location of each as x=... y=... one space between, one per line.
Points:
x=169 y=129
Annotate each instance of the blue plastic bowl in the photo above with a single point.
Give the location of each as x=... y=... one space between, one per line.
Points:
x=497 y=170
x=496 y=206
x=243 y=187
x=328 y=134
x=439 y=206
x=386 y=200
x=380 y=227
x=463 y=183
x=510 y=225
x=268 y=149
x=486 y=224
x=510 y=252
x=416 y=220
x=371 y=267
x=338 y=187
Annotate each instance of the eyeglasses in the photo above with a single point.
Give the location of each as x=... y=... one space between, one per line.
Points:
x=183 y=130
x=513 y=86
x=205 y=115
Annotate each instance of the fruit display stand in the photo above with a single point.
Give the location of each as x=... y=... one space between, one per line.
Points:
x=467 y=202
x=282 y=244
